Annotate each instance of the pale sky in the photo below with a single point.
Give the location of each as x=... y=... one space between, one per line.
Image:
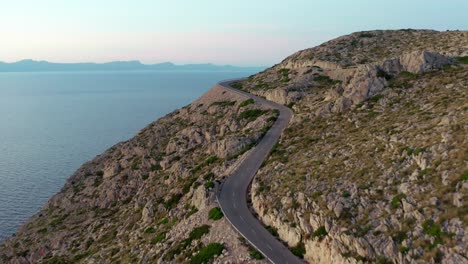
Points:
x=238 y=32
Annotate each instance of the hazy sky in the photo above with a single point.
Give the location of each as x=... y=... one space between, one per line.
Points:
x=240 y=32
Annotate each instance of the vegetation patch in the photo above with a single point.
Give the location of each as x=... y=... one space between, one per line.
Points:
x=251 y=115
x=396 y=200
x=432 y=229
x=255 y=254
x=247 y=102
x=215 y=214
x=320 y=233
x=299 y=250
x=207 y=253
x=463 y=60
x=324 y=80
x=158 y=238
x=173 y=201
x=223 y=103
x=272 y=231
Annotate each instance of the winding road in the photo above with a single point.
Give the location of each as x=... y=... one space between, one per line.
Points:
x=233 y=195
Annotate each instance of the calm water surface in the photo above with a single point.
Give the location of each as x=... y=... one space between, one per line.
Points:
x=50 y=123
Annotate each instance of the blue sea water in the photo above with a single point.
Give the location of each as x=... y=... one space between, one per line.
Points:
x=50 y=123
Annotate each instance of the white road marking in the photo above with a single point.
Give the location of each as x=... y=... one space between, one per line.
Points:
x=269 y=247
x=253 y=231
x=235 y=205
x=242 y=218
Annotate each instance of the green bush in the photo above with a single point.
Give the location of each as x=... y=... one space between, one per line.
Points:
x=366 y=35
x=320 y=233
x=207 y=253
x=223 y=103
x=247 y=102
x=198 y=232
x=56 y=260
x=237 y=85
x=396 y=200
x=432 y=229
x=158 y=238
x=463 y=60
x=175 y=198
x=209 y=185
x=255 y=254
x=272 y=231
x=299 y=250
x=464 y=177
x=150 y=230
x=211 y=159
x=251 y=114
x=215 y=214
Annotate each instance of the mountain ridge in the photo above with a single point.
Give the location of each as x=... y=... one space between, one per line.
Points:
x=29 y=65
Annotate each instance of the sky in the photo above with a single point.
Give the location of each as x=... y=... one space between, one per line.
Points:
x=237 y=32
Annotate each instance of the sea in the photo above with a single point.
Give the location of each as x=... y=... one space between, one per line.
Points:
x=52 y=122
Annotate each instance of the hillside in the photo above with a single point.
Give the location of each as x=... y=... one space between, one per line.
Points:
x=151 y=198
x=374 y=165
x=372 y=168
x=45 y=66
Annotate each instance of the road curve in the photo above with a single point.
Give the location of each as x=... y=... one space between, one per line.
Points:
x=233 y=195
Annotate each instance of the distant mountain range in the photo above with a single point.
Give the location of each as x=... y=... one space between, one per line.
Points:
x=44 y=66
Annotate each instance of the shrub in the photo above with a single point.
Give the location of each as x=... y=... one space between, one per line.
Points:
x=251 y=114
x=396 y=200
x=247 y=102
x=155 y=167
x=56 y=260
x=255 y=254
x=97 y=181
x=158 y=238
x=345 y=194
x=323 y=80
x=145 y=177
x=209 y=185
x=211 y=159
x=188 y=184
x=382 y=74
x=175 y=198
x=80 y=256
x=150 y=230
x=320 y=233
x=272 y=231
x=209 y=176
x=366 y=35
x=299 y=250
x=237 y=85
x=198 y=232
x=215 y=214
x=432 y=229
x=223 y=103
x=464 y=177
x=463 y=60
x=207 y=253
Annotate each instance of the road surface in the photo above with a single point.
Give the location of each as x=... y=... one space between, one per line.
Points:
x=233 y=195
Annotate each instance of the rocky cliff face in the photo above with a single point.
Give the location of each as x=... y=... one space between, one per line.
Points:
x=373 y=168
x=144 y=200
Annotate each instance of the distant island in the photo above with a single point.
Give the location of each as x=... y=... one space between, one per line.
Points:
x=45 y=66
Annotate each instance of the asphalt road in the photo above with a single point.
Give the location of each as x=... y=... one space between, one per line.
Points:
x=233 y=194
